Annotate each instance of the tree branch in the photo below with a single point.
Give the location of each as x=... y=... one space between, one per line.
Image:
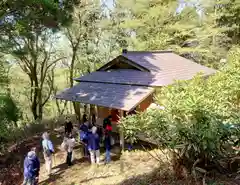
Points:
x=50 y=83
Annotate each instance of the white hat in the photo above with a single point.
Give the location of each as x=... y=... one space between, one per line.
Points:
x=31 y=154
x=94 y=129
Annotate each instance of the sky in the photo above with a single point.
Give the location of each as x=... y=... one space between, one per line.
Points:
x=109 y=3
x=182 y=4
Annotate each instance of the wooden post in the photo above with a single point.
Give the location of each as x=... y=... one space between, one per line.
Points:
x=76 y=106
x=121 y=133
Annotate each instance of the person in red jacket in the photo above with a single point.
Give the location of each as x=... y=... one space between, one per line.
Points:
x=107 y=123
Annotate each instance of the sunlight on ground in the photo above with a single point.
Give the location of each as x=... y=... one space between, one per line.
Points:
x=135 y=163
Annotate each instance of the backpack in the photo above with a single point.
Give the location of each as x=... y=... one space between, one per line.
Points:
x=64 y=145
x=83 y=135
x=46 y=151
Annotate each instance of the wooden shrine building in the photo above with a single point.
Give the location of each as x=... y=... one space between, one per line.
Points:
x=128 y=82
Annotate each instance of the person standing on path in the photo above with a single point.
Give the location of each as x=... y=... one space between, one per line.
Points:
x=94 y=146
x=68 y=126
x=31 y=168
x=107 y=144
x=70 y=143
x=48 y=151
x=107 y=123
x=84 y=130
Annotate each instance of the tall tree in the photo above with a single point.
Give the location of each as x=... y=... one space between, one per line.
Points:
x=84 y=36
x=191 y=30
x=27 y=33
x=37 y=57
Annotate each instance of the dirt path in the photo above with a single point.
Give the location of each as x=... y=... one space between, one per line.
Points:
x=82 y=173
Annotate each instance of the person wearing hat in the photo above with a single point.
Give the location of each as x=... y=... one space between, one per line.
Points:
x=94 y=145
x=31 y=168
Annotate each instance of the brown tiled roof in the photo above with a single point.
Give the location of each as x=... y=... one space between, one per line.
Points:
x=166 y=61
x=124 y=89
x=165 y=68
x=123 y=97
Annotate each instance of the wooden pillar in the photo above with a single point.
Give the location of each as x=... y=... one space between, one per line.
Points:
x=92 y=112
x=121 y=133
x=76 y=106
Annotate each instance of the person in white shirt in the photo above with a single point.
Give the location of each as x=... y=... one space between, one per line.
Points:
x=70 y=143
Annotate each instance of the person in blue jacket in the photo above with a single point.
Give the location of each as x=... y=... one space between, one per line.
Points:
x=31 y=168
x=94 y=145
x=84 y=130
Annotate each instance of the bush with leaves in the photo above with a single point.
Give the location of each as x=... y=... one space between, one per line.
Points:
x=201 y=117
x=9 y=112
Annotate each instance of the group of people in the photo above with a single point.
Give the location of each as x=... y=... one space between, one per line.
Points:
x=90 y=136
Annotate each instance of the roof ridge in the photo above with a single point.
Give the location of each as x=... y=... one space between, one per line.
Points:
x=116 y=83
x=154 y=51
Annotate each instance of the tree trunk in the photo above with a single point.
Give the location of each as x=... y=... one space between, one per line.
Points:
x=77 y=111
x=35 y=102
x=72 y=67
x=34 y=105
x=75 y=106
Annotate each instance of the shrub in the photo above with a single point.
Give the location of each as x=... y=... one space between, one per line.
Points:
x=201 y=117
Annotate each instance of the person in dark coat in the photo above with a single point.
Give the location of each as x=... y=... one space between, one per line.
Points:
x=107 y=145
x=84 y=130
x=31 y=168
x=68 y=126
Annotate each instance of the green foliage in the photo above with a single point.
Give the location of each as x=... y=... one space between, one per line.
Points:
x=8 y=109
x=201 y=117
x=9 y=112
x=37 y=13
x=200 y=31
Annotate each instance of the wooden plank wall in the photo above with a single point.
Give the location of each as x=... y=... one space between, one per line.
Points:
x=145 y=104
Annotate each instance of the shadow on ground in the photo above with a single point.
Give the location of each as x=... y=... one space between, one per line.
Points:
x=159 y=177
x=156 y=177
x=94 y=178
x=59 y=170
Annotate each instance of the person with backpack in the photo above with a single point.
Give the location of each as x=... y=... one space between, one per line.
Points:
x=48 y=151
x=84 y=130
x=68 y=126
x=31 y=168
x=94 y=146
